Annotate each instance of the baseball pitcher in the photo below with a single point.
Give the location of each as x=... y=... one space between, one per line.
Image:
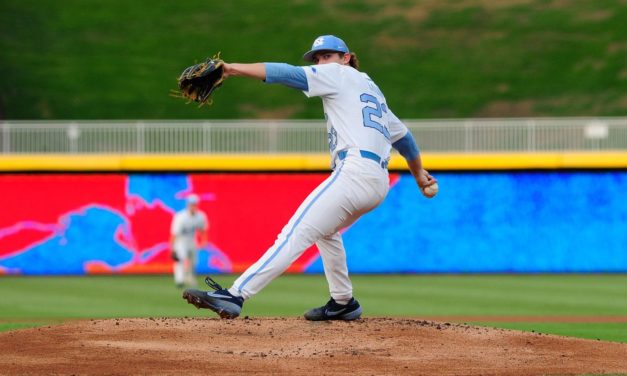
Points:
x=361 y=131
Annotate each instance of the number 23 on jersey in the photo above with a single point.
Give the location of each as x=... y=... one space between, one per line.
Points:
x=370 y=114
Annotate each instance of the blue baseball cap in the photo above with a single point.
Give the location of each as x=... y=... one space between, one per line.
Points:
x=326 y=43
x=192 y=199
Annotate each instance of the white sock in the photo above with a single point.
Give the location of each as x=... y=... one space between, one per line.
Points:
x=179 y=272
x=233 y=291
x=342 y=301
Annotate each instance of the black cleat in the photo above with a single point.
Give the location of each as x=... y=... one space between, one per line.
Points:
x=219 y=301
x=334 y=311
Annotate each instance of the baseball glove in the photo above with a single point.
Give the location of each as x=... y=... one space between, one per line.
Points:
x=199 y=81
x=174 y=256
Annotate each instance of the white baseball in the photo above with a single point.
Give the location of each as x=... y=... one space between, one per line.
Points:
x=430 y=190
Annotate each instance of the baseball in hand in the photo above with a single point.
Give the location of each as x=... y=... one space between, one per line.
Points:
x=430 y=190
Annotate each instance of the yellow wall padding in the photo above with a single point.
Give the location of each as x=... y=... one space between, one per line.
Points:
x=302 y=162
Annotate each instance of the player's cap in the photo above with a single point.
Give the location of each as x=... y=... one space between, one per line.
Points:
x=326 y=43
x=192 y=199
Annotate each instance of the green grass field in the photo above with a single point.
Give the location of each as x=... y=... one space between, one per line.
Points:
x=31 y=301
x=433 y=59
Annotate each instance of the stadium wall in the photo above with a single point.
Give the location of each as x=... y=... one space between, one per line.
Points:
x=494 y=213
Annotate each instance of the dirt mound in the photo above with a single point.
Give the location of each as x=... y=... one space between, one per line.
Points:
x=293 y=346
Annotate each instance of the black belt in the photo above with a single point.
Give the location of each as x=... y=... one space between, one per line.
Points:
x=365 y=154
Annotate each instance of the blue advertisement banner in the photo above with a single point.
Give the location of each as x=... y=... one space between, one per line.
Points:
x=480 y=222
x=496 y=222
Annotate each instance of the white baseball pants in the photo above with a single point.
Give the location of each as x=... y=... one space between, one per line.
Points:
x=356 y=186
x=184 y=272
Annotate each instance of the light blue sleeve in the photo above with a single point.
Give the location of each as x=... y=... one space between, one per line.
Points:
x=407 y=147
x=286 y=74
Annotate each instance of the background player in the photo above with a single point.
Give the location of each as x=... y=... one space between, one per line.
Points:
x=186 y=224
x=361 y=131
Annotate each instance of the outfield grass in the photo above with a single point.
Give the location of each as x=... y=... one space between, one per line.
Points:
x=115 y=59
x=606 y=331
x=29 y=301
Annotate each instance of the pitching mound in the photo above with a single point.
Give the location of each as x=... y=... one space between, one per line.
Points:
x=293 y=346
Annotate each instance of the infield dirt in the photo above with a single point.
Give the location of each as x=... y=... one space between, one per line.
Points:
x=293 y=346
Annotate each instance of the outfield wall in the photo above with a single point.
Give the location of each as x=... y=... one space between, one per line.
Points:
x=510 y=219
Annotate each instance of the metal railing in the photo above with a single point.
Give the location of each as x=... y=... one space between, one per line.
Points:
x=300 y=136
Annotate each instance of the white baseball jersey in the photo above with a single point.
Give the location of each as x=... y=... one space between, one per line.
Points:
x=355 y=109
x=184 y=228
